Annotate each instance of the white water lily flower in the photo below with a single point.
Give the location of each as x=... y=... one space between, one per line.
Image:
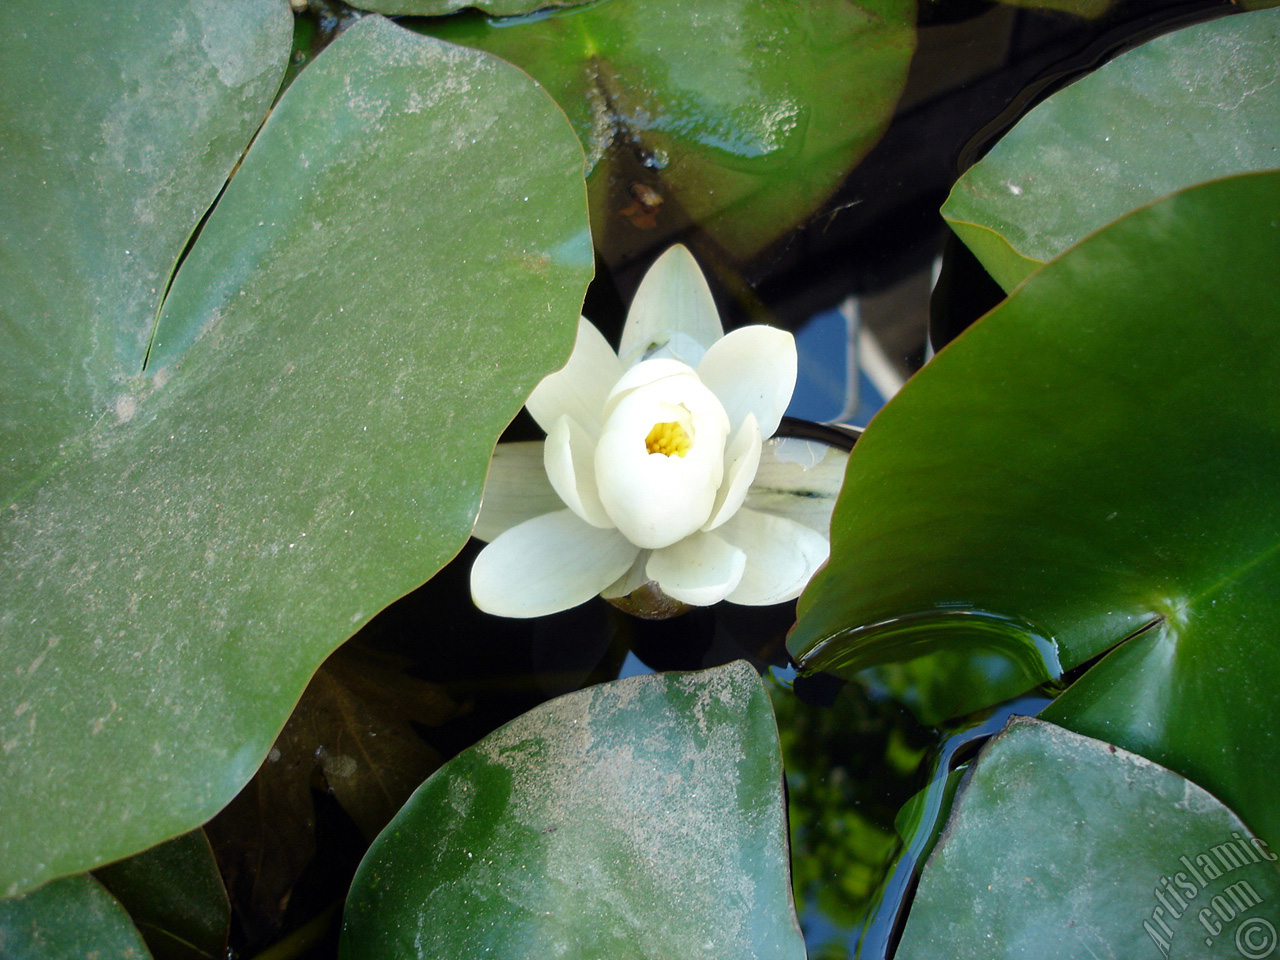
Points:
x=645 y=480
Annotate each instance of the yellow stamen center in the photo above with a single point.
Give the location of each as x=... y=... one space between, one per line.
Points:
x=668 y=439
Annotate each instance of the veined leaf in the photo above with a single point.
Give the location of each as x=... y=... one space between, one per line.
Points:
x=1096 y=457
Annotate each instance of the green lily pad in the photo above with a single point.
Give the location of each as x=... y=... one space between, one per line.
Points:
x=641 y=818
x=71 y=917
x=194 y=519
x=1051 y=853
x=174 y=895
x=1094 y=458
x=1194 y=105
x=739 y=116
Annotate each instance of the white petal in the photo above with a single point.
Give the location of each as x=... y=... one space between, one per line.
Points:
x=701 y=569
x=516 y=490
x=741 y=460
x=642 y=375
x=569 y=458
x=580 y=388
x=781 y=556
x=632 y=580
x=546 y=565
x=752 y=370
x=799 y=479
x=673 y=307
x=655 y=499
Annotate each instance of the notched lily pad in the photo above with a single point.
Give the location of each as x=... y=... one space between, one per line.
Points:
x=641 y=818
x=398 y=260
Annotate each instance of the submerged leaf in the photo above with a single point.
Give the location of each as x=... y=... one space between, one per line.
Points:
x=1087 y=9
x=737 y=116
x=356 y=721
x=174 y=895
x=351 y=735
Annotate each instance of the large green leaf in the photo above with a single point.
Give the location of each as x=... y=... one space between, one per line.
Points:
x=1064 y=847
x=400 y=257
x=1195 y=105
x=739 y=116
x=1096 y=456
x=638 y=819
x=72 y=917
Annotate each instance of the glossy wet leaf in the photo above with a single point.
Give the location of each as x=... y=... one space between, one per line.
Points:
x=1191 y=106
x=174 y=895
x=1095 y=457
x=1061 y=846
x=739 y=116
x=71 y=917
x=640 y=818
x=398 y=260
